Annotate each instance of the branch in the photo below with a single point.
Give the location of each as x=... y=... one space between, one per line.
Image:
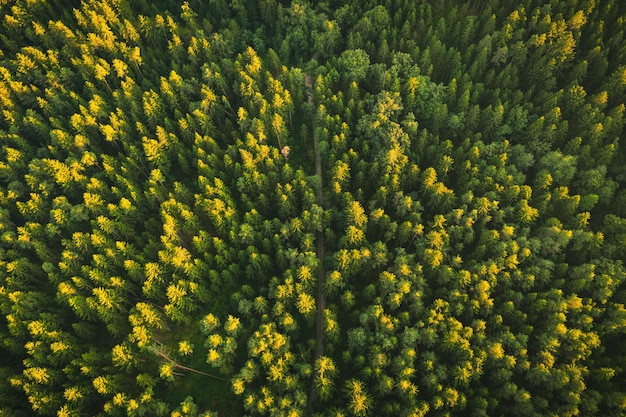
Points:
x=186 y=368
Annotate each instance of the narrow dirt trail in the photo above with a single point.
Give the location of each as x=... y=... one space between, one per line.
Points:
x=319 y=237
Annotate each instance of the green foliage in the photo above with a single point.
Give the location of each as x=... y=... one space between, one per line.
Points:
x=295 y=208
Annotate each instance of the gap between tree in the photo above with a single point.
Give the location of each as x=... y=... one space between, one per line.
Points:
x=319 y=237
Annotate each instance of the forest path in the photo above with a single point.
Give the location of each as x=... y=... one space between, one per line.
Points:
x=319 y=237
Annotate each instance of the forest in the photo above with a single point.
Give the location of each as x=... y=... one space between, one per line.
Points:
x=302 y=208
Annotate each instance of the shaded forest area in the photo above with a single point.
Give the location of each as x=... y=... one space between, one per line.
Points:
x=302 y=208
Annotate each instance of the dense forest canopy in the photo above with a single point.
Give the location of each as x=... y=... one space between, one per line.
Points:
x=303 y=208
